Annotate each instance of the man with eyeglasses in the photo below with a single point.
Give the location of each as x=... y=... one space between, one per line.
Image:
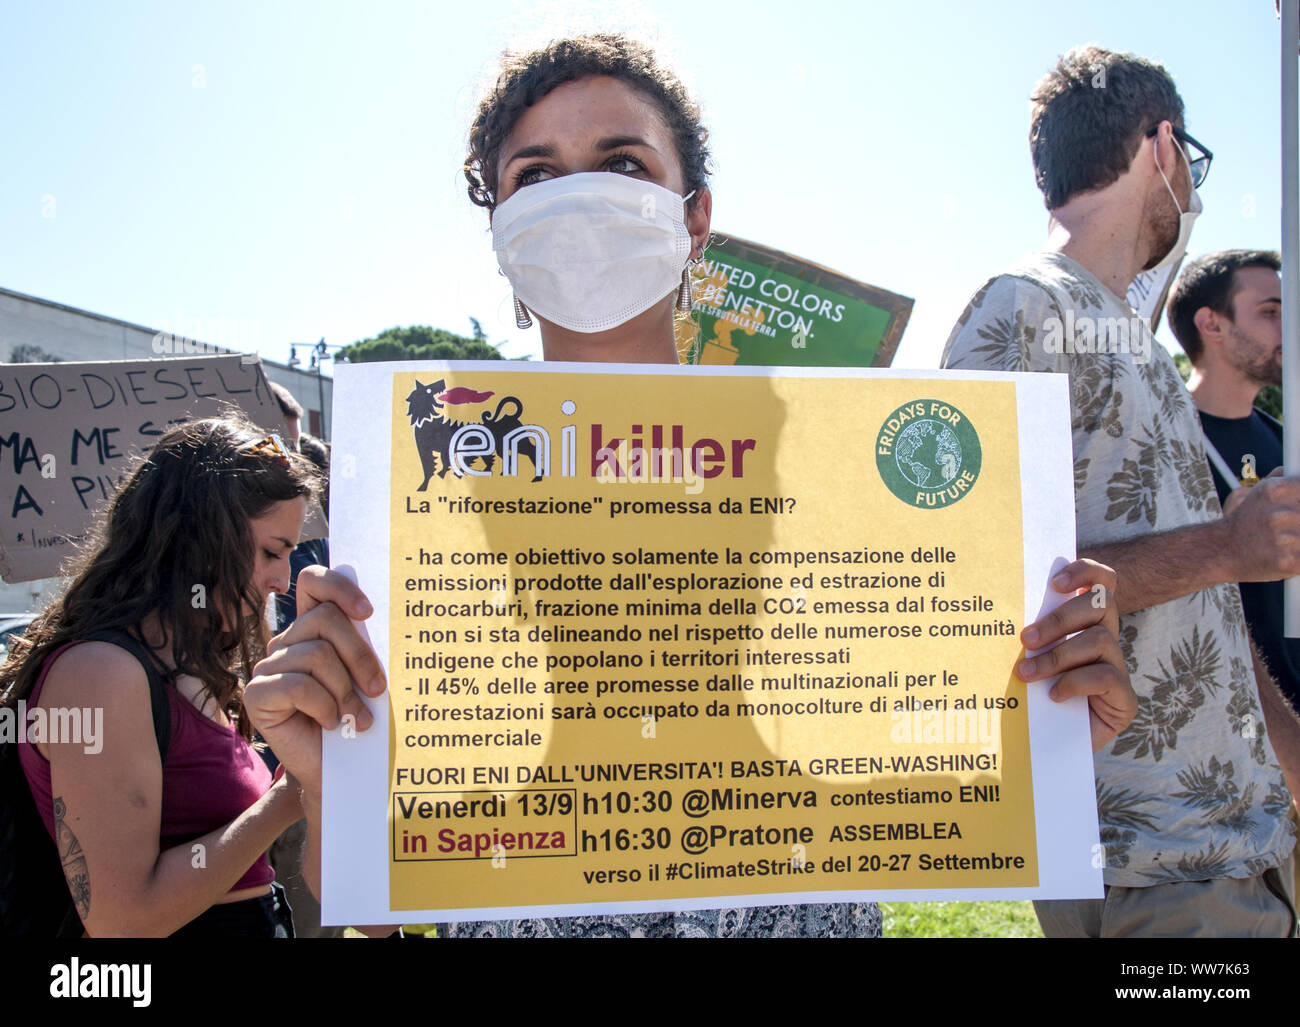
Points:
x=1192 y=800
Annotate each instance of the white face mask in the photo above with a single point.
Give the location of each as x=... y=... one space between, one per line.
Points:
x=1186 y=218
x=591 y=251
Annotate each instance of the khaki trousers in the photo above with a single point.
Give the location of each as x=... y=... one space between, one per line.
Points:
x=1228 y=907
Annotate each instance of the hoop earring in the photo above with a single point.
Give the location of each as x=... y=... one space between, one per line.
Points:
x=522 y=319
x=684 y=303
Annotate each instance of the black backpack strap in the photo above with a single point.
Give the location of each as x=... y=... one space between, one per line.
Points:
x=34 y=897
x=158 y=700
x=1221 y=485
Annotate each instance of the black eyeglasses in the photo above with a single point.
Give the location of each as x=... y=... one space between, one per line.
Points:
x=1200 y=163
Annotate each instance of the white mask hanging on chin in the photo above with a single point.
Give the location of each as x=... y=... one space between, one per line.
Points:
x=1186 y=218
x=591 y=251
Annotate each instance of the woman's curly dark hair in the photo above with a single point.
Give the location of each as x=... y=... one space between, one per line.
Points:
x=527 y=77
x=180 y=521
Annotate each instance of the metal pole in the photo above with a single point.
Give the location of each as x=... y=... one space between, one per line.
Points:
x=320 y=384
x=1290 y=11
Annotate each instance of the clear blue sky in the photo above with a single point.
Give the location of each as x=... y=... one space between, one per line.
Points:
x=282 y=171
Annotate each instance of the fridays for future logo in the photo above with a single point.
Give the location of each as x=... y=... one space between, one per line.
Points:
x=928 y=453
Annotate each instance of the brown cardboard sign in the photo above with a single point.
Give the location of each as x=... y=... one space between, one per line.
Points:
x=71 y=432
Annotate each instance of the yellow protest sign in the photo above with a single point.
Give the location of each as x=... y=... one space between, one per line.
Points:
x=658 y=637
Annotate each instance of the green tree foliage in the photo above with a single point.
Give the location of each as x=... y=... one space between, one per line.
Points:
x=420 y=342
x=25 y=353
x=1269 y=399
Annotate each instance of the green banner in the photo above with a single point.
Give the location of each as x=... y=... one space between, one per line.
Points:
x=757 y=306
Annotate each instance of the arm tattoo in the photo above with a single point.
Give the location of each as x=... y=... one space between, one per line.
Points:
x=73 y=859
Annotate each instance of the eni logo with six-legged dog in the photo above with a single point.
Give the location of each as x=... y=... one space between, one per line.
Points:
x=447 y=444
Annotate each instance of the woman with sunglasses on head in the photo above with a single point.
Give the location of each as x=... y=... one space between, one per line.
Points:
x=593 y=164
x=163 y=616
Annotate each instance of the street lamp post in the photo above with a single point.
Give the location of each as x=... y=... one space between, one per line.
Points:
x=320 y=352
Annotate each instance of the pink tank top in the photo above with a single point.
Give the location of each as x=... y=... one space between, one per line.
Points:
x=210 y=777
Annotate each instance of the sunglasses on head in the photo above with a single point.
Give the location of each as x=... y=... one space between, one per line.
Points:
x=270 y=446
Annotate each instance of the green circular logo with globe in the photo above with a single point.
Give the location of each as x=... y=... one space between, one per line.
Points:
x=928 y=453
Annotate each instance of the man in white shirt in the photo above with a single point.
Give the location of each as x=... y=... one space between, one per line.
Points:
x=1192 y=802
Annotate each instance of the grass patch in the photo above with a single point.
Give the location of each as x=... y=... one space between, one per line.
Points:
x=960 y=920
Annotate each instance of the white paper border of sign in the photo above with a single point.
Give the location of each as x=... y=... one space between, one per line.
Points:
x=355 y=827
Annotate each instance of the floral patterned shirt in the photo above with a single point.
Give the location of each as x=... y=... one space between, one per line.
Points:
x=1191 y=790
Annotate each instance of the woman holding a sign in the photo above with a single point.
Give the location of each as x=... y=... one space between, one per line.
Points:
x=160 y=809
x=593 y=164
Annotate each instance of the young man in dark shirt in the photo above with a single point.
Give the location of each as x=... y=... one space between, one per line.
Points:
x=1226 y=311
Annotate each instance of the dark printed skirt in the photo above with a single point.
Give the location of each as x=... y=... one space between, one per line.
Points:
x=838 y=920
